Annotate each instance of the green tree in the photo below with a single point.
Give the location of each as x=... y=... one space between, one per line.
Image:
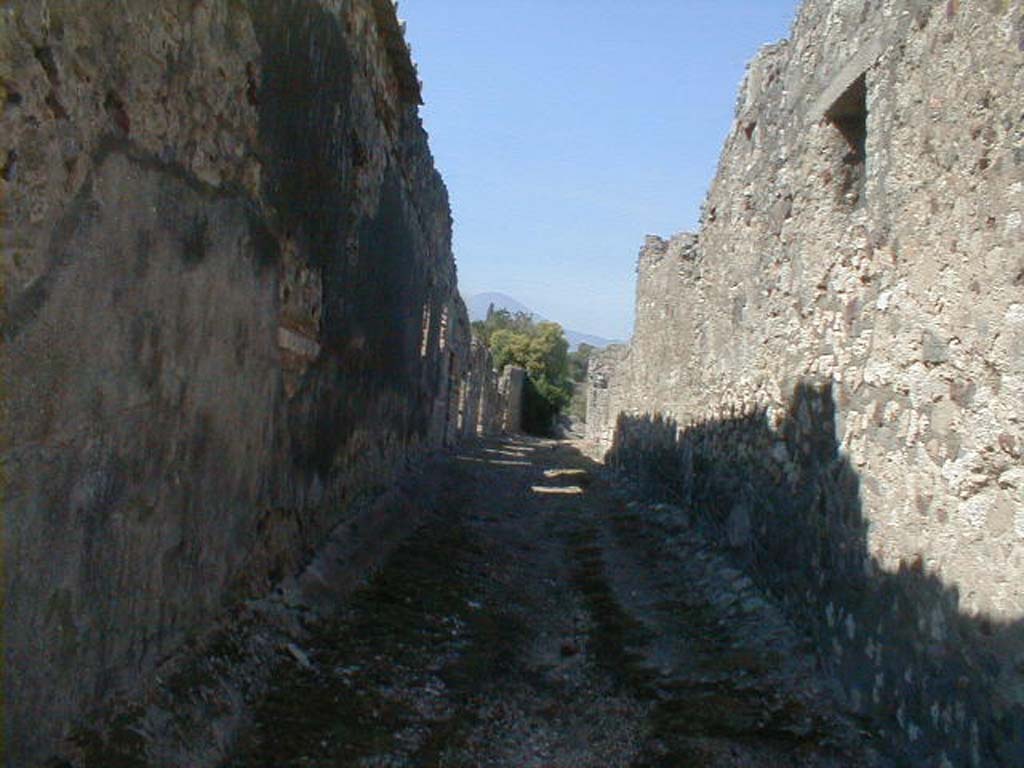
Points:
x=539 y=348
x=579 y=365
x=501 y=319
x=542 y=351
x=579 y=361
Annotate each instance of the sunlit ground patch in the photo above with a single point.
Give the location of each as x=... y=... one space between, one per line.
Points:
x=557 y=489
x=578 y=474
x=499 y=462
x=519 y=445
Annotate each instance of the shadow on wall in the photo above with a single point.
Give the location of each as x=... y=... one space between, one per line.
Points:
x=538 y=412
x=930 y=680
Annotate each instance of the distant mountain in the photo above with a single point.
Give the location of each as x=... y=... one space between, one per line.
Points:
x=477 y=306
x=575 y=338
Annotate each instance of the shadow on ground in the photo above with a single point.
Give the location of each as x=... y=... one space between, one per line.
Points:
x=786 y=503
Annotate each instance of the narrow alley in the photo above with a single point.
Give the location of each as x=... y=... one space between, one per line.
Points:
x=539 y=618
x=288 y=282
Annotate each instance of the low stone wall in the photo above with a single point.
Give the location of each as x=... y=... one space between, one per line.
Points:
x=787 y=504
x=231 y=312
x=861 y=240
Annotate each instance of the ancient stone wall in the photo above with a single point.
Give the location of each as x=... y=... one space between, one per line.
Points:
x=510 y=393
x=479 y=400
x=831 y=371
x=230 y=313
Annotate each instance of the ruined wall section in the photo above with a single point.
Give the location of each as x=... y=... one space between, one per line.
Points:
x=863 y=237
x=610 y=392
x=493 y=401
x=475 y=399
x=231 y=314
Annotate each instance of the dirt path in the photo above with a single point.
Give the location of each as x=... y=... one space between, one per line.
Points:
x=535 y=619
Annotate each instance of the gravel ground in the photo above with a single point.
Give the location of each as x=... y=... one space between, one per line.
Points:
x=539 y=618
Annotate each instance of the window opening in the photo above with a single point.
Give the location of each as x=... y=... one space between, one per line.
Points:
x=849 y=115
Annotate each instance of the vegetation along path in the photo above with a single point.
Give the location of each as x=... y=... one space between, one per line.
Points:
x=540 y=619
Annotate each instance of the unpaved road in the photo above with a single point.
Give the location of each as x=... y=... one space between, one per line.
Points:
x=537 y=619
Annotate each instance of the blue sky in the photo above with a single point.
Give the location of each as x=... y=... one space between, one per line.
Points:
x=566 y=130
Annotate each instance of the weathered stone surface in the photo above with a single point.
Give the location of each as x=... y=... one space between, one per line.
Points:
x=510 y=388
x=860 y=241
x=230 y=311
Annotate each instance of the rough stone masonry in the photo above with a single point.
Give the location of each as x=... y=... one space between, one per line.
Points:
x=831 y=373
x=230 y=315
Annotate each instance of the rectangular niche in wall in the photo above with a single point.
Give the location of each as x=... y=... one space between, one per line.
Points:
x=849 y=115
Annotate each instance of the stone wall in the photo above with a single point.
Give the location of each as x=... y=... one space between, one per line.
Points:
x=831 y=371
x=230 y=313
x=510 y=390
x=478 y=399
